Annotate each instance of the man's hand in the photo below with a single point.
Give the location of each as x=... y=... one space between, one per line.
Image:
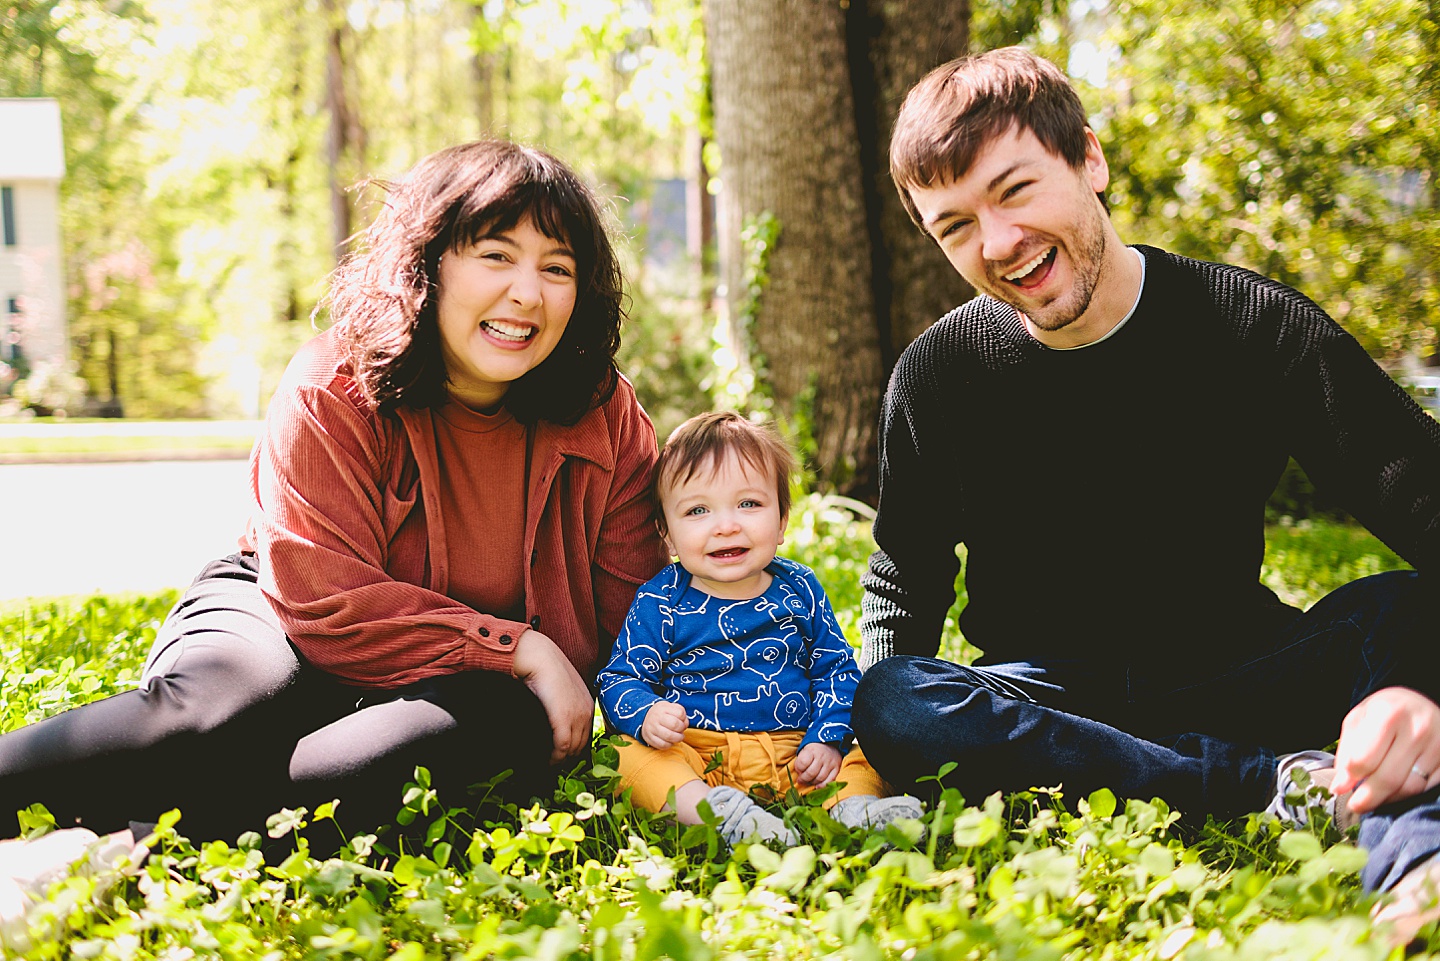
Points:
x=817 y=764
x=664 y=725
x=568 y=704
x=1389 y=748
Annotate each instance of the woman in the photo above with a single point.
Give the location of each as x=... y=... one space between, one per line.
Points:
x=450 y=523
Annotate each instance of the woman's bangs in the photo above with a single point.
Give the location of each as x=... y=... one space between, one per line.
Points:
x=553 y=207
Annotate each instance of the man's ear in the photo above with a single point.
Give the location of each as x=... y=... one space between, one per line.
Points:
x=1097 y=170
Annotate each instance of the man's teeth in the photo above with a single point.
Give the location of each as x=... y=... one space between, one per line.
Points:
x=516 y=332
x=1025 y=270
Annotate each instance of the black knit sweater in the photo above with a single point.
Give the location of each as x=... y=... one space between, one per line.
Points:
x=1112 y=498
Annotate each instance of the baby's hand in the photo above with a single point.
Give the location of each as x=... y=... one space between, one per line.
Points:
x=664 y=726
x=817 y=764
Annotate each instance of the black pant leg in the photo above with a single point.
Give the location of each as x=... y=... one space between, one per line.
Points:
x=229 y=725
x=1295 y=688
x=465 y=728
x=199 y=733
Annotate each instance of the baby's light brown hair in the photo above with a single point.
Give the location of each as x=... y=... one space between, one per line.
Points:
x=703 y=442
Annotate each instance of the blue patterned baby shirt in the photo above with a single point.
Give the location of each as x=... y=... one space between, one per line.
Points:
x=777 y=662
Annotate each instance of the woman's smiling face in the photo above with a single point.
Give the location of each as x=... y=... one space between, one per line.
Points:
x=504 y=303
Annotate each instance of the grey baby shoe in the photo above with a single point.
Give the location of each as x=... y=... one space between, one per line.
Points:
x=869 y=811
x=741 y=818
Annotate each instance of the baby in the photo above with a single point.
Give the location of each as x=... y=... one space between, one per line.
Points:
x=731 y=672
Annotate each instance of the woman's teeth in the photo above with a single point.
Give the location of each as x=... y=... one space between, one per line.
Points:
x=515 y=332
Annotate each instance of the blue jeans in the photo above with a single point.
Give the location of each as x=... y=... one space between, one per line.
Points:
x=1202 y=736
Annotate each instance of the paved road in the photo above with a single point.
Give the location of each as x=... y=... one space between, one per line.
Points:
x=76 y=528
x=132 y=428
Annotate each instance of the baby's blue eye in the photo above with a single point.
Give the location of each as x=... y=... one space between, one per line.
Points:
x=694 y=511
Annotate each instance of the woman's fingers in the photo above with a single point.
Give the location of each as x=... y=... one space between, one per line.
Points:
x=1389 y=748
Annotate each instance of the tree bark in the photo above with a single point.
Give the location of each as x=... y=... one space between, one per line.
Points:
x=699 y=218
x=785 y=125
x=906 y=40
x=482 y=65
x=338 y=143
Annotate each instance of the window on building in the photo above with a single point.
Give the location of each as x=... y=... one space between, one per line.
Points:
x=7 y=214
x=8 y=338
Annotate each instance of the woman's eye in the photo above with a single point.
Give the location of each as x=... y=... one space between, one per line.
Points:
x=560 y=270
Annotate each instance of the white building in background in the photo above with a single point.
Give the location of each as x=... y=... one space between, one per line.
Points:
x=32 y=268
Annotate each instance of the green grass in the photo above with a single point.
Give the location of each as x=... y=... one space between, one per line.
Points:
x=584 y=875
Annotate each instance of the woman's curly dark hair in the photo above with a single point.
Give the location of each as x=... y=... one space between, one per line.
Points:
x=383 y=298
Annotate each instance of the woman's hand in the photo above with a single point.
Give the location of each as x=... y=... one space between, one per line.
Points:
x=568 y=704
x=664 y=725
x=817 y=764
x=1389 y=748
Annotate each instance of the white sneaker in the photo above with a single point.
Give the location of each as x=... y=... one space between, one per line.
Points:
x=28 y=867
x=1292 y=804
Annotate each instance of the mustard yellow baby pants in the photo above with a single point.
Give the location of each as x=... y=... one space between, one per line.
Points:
x=746 y=759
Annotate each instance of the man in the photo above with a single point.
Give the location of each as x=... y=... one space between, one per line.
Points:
x=1101 y=427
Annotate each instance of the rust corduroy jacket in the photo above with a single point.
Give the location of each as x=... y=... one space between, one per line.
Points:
x=352 y=546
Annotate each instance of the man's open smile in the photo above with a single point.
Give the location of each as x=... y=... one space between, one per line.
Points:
x=1031 y=274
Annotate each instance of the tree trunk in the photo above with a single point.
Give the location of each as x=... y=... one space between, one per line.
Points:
x=482 y=63
x=916 y=284
x=338 y=143
x=785 y=125
x=699 y=218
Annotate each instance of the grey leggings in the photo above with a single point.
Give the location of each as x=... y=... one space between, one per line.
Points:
x=229 y=725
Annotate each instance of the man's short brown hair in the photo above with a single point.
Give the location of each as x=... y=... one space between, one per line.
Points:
x=959 y=107
x=703 y=442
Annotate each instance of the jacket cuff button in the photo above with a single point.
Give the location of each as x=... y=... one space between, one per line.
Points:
x=484 y=632
x=505 y=639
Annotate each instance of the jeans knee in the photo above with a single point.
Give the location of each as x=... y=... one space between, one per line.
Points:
x=885 y=702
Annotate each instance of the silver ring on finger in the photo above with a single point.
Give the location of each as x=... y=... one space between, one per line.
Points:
x=1422 y=775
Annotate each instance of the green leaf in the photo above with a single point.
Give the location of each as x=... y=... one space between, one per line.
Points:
x=1300 y=846
x=765 y=860
x=285 y=821
x=1345 y=859
x=974 y=828
x=793 y=871
x=1102 y=803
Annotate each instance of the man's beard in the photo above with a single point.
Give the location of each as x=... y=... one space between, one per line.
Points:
x=1069 y=306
